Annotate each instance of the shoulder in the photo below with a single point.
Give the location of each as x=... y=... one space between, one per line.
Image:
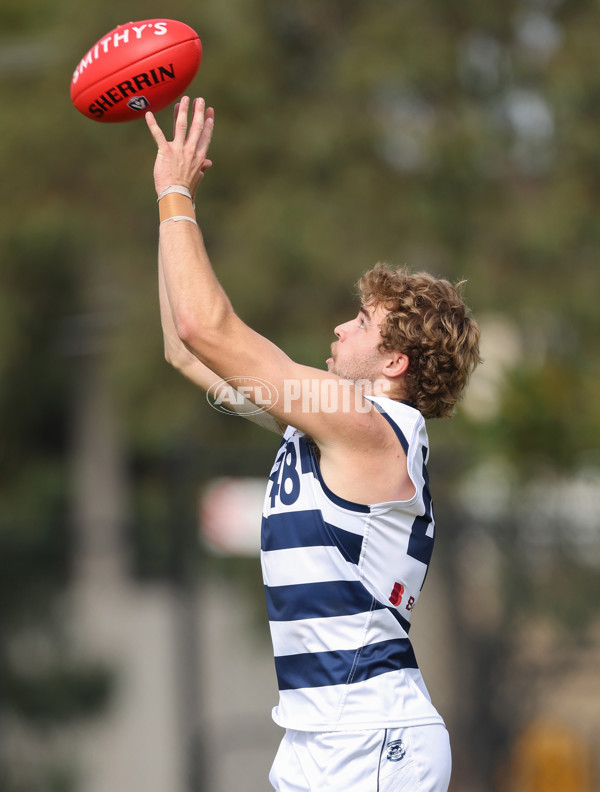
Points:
x=409 y=426
x=401 y=415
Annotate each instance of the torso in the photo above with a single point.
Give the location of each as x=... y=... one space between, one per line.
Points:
x=342 y=578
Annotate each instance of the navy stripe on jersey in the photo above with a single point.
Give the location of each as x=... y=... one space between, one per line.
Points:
x=306 y=461
x=306 y=449
x=343 y=667
x=399 y=433
x=400 y=619
x=420 y=546
x=307 y=529
x=317 y=600
x=322 y=600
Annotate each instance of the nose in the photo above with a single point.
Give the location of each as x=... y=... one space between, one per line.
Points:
x=340 y=330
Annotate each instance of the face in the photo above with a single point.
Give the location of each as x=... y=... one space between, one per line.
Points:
x=355 y=355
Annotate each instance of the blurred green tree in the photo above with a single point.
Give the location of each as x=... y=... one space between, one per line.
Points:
x=458 y=137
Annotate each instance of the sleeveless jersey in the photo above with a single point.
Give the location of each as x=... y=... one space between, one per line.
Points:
x=341 y=580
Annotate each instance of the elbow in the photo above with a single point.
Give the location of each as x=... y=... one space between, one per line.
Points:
x=200 y=325
x=176 y=361
x=175 y=353
x=201 y=336
x=187 y=331
x=169 y=358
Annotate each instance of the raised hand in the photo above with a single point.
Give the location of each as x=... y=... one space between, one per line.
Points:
x=183 y=160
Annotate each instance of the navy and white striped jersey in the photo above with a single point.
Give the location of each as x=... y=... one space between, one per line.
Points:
x=341 y=580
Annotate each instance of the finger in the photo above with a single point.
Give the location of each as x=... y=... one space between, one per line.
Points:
x=155 y=130
x=207 y=133
x=181 y=120
x=202 y=129
x=175 y=114
x=205 y=166
x=197 y=124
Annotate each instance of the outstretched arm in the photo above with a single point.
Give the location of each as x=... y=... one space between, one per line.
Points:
x=206 y=323
x=180 y=357
x=176 y=353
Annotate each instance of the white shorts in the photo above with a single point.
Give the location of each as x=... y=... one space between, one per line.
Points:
x=409 y=759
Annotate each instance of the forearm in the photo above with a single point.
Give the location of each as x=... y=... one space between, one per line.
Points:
x=176 y=353
x=199 y=306
x=197 y=303
x=180 y=357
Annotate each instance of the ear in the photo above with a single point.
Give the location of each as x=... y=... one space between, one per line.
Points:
x=395 y=364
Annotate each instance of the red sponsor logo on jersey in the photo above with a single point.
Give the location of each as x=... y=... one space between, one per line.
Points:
x=396 y=595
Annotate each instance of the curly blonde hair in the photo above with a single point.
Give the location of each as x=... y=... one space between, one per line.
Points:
x=428 y=321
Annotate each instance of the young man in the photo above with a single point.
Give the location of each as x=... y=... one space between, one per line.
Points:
x=348 y=526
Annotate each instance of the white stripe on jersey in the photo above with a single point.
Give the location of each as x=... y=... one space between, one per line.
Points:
x=305 y=565
x=308 y=635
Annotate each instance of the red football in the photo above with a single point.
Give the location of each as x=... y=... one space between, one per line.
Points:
x=136 y=67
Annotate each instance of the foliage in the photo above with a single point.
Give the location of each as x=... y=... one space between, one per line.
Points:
x=458 y=137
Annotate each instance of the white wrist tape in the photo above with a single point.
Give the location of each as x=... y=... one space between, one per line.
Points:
x=176 y=188
x=177 y=218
